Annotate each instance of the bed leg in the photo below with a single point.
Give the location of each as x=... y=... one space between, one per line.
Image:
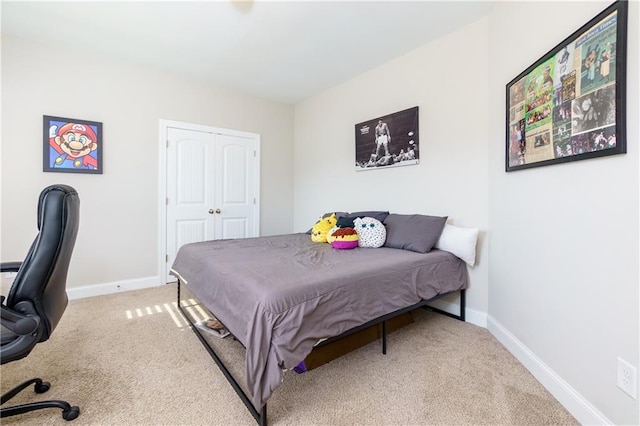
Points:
x=463 y=304
x=259 y=416
x=263 y=416
x=384 y=337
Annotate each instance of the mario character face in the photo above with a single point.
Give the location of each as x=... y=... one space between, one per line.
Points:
x=76 y=140
x=72 y=145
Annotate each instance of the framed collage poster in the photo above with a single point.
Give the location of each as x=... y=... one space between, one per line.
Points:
x=71 y=145
x=571 y=104
x=388 y=141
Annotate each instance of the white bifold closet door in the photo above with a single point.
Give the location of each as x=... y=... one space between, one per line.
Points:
x=211 y=188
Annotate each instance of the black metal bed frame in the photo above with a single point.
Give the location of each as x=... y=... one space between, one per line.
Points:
x=261 y=416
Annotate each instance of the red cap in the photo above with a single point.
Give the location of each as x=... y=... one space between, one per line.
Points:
x=78 y=128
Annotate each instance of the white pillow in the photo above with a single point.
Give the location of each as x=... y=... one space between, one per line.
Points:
x=459 y=241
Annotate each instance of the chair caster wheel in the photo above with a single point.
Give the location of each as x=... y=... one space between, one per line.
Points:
x=71 y=414
x=42 y=387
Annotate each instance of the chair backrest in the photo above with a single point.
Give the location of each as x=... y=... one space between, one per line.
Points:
x=40 y=283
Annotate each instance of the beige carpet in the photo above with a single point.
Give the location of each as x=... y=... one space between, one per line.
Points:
x=129 y=359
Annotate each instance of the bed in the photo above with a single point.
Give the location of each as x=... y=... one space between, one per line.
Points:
x=281 y=295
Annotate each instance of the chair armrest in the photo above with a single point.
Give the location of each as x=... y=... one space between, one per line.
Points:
x=10 y=266
x=19 y=323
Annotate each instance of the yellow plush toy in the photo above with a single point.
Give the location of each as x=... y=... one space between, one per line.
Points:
x=322 y=227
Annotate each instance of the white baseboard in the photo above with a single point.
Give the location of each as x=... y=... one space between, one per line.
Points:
x=114 y=287
x=471 y=316
x=575 y=403
x=476 y=317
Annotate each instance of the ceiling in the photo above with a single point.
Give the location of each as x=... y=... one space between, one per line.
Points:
x=283 y=51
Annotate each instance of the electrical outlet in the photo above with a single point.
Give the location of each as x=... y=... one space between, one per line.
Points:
x=627 y=378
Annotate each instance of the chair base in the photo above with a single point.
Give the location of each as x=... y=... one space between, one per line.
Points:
x=68 y=412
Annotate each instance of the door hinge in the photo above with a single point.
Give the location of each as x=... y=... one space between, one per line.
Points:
x=254 y=153
x=167 y=143
x=166 y=258
x=167 y=200
x=254 y=200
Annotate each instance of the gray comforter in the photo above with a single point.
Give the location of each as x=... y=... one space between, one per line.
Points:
x=279 y=295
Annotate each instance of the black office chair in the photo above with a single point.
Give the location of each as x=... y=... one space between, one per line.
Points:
x=37 y=298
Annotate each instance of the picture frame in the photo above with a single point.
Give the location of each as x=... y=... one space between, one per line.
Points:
x=388 y=141
x=570 y=105
x=71 y=145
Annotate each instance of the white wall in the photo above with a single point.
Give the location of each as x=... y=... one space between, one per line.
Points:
x=118 y=236
x=563 y=293
x=561 y=286
x=452 y=177
x=563 y=258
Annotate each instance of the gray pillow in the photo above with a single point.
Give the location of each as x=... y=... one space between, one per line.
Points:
x=413 y=232
x=338 y=215
x=376 y=214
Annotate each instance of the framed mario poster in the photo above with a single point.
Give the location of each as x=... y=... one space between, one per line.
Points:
x=71 y=145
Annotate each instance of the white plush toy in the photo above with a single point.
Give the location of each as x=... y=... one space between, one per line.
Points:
x=371 y=232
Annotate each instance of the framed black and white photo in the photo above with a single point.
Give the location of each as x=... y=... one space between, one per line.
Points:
x=388 y=141
x=571 y=104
